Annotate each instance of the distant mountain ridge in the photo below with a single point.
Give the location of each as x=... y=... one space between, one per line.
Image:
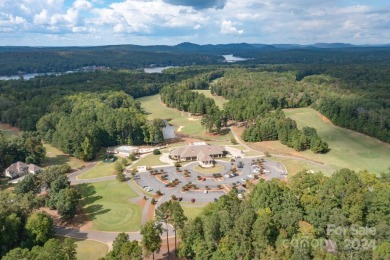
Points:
x=25 y=59
x=193 y=47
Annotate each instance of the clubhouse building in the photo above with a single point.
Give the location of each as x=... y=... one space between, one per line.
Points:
x=198 y=151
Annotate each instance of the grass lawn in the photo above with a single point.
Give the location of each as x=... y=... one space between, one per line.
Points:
x=349 y=149
x=253 y=153
x=219 y=101
x=191 y=210
x=107 y=205
x=294 y=166
x=149 y=160
x=89 y=249
x=218 y=168
x=9 y=131
x=55 y=156
x=100 y=170
x=188 y=125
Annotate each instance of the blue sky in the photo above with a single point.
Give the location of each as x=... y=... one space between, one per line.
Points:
x=150 y=22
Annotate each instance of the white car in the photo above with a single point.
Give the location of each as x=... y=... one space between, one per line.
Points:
x=250 y=176
x=227 y=176
x=267 y=171
x=243 y=180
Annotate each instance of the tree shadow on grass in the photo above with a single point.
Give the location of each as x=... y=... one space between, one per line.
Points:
x=94 y=210
x=86 y=189
x=58 y=159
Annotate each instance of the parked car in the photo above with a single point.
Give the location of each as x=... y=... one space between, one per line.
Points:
x=243 y=180
x=266 y=171
x=250 y=176
x=227 y=176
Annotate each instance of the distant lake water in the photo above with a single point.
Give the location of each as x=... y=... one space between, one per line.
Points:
x=231 y=58
x=27 y=76
x=156 y=69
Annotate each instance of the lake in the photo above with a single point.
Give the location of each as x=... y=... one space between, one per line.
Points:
x=231 y=58
x=27 y=76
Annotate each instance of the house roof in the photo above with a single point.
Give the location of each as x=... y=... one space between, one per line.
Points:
x=34 y=168
x=195 y=150
x=18 y=168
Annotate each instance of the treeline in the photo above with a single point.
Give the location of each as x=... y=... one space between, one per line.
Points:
x=23 y=103
x=345 y=216
x=182 y=97
x=45 y=60
x=26 y=148
x=275 y=126
x=29 y=234
x=352 y=96
x=82 y=123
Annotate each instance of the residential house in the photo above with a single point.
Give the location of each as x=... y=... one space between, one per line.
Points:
x=19 y=169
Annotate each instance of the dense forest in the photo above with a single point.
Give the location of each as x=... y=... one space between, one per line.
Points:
x=338 y=93
x=342 y=90
x=27 y=232
x=81 y=112
x=312 y=216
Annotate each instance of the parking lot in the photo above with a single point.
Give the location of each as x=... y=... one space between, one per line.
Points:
x=246 y=169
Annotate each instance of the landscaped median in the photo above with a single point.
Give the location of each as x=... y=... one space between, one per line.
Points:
x=107 y=204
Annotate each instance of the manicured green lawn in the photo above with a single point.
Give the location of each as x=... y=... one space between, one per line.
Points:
x=55 y=156
x=189 y=125
x=100 y=170
x=219 y=100
x=108 y=205
x=149 y=160
x=294 y=166
x=89 y=249
x=349 y=149
x=191 y=211
x=218 y=168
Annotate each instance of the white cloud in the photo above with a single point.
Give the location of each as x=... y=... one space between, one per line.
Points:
x=266 y=21
x=228 y=27
x=82 y=4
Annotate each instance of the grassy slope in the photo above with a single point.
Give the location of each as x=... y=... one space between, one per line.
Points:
x=89 y=249
x=149 y=160
x=107 y=205
x=100 y=170
x=192 y=210
x=348 y=148
x=8 y=131
x=55 y=156
x=156 y=109
x=219 y=101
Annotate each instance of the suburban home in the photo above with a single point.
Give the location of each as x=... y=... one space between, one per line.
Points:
x=19 y=169
x=201 y=152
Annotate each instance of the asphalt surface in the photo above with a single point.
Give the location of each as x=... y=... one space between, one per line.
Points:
x=272 y=170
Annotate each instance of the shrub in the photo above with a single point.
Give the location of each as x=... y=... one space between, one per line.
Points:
x=267 y=154
x=159 y=193
x=177 y=164
x=132 y=157
x=217 y=175
x=233 y=141
x=153 y=201
x=120 y=176
x=173 y=197
x=156 y=152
